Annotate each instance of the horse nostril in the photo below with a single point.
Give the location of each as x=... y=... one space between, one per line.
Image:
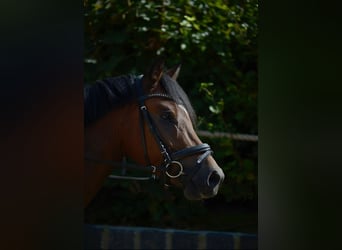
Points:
x=213 y=179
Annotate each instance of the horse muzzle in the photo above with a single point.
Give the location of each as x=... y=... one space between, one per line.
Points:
x=205 y=183
x=201 y=180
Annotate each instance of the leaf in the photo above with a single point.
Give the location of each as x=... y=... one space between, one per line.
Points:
x=214 y=109
x=190 y=18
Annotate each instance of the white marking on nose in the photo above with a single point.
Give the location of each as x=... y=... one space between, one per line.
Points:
x=182 y=107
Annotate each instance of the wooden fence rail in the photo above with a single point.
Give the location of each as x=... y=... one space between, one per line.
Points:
x=238 y=137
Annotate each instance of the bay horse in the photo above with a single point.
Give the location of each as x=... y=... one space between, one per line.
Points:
x=148 y=119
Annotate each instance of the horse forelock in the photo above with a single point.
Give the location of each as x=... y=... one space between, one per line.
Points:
x=177 y=93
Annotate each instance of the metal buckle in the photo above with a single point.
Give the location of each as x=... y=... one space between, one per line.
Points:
x=180 y=169
x=153 y=172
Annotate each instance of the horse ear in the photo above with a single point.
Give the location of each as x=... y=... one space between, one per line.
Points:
x=174 y=71
x=152 y=77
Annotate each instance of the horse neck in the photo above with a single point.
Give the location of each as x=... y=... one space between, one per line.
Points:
x=102 y=142
x=102 y=139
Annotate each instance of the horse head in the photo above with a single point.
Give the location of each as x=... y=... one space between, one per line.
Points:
x=167 y=133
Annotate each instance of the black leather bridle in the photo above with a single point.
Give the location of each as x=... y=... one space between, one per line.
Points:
x=171 y=160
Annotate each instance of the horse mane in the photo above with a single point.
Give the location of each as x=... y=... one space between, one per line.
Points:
x=105 y=95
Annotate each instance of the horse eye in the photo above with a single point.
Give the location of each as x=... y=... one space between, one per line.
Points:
x=168 y=116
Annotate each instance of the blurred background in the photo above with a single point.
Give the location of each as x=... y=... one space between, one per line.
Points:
x=216 y=42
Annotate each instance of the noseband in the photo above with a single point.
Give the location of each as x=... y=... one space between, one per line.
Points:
x=170 y=160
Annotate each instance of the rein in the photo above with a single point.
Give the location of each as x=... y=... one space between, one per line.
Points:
x=170 y=159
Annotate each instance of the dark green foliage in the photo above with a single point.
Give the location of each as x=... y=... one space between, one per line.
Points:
x=216 y=41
